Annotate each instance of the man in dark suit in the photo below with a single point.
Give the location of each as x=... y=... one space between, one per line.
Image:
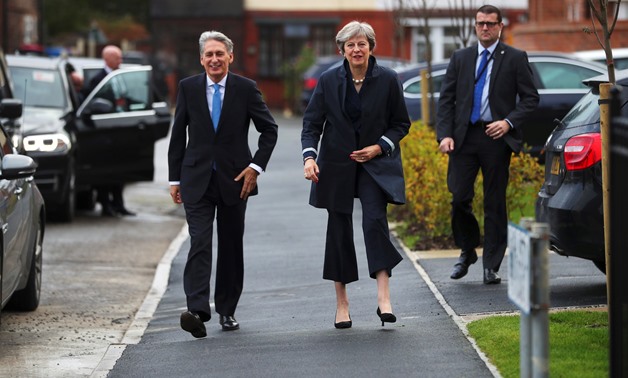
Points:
x=486 y=96
x=110 y=196
x=212 y=172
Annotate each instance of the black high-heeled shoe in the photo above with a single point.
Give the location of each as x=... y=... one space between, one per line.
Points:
x=386 y=317
x=345 y=324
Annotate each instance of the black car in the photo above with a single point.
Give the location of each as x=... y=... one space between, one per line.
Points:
x=324 y=63
x=558 y=78
x=570 y=200
x=22 y=212
x=106 y=138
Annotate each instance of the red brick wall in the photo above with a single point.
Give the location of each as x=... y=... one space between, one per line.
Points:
x=558 y=25
x=272 y=89
x=566 y=37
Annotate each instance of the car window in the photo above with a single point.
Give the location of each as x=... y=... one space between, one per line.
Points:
x=38 y=88
x=555 y=75
x=415 y=87
x=128 y=91
x=585 y=111
x=5 y=91
x=5 y=144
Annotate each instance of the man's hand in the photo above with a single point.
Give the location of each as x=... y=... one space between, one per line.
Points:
x=250 y=181
x=446 y=145
x=175 y=193
x=497 y=129
x=310 y=170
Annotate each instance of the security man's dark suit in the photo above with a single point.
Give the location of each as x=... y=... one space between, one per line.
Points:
x=511 y=96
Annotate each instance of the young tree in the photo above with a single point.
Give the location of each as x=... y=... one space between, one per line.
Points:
x=461 y=13
x=599 y=11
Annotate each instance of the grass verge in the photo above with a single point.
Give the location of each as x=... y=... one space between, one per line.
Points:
x=578 y=343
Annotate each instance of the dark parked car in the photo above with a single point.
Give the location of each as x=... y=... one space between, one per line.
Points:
x=558 y=78
x=570 y=200
x=107 y=138
x=22 y=214
x=323 y=63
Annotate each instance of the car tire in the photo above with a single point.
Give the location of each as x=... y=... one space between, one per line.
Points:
x=66 y=210
x=86 y=200
x=27 y=299
x=601 y=265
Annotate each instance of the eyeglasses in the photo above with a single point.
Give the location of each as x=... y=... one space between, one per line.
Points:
x=482 y=24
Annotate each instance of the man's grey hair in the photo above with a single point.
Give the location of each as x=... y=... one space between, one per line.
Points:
x=216 y=36
x=353 y=29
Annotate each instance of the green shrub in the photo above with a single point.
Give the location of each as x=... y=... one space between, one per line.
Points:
x=424 y=222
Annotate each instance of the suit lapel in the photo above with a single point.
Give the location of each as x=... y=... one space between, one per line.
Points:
x=230 y=96
x=201 y=97
x=498 y=59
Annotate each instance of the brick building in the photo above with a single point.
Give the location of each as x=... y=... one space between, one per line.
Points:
x=20 y=24
x=557 y=25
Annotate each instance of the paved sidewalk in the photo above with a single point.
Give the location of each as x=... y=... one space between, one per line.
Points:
x=287 y=310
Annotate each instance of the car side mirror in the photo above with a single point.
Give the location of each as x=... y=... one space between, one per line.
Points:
x=11 y=108
x=16 y=166
x=99 y=105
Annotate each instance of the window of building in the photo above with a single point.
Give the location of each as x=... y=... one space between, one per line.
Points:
x=282 y=42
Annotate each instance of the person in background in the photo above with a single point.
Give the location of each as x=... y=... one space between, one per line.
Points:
x=358 y=115
x=485 y=98
x=110 y=196
x=212 y=173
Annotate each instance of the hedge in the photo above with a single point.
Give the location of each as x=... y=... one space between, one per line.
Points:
x=424 y=221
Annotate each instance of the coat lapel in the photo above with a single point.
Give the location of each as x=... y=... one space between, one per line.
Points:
x=230 y=96
x=202 y=98
x=498 y=58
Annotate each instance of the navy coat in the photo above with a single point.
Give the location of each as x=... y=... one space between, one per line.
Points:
x=325 y=121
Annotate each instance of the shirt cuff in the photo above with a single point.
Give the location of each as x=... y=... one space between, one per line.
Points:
x=257 y=168
x=175 y=183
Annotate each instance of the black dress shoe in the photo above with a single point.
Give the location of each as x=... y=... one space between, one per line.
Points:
x=124 y=211
x=193 y=324
x=107 y=211
x=491 y=277
x=228 y=323
x=344 y=324
x=462 y=266
x=386 y=317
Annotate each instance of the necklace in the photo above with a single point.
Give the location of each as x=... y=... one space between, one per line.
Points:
x=358 y=81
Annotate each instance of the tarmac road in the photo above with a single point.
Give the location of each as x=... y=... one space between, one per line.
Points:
x=286 y=311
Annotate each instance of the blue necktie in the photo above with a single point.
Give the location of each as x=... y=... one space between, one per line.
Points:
x=216 y=105
x=479 y=87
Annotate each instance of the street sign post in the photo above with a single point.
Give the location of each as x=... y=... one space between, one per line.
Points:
x=528 y=288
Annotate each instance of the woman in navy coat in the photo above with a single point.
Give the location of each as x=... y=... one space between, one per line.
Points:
x=358 y=115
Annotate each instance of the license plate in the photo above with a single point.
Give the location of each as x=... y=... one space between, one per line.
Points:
x=555 y=165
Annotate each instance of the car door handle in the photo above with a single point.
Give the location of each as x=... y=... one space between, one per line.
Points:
x=19 y=190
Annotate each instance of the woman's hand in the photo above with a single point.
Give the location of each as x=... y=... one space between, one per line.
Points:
x=366 y=154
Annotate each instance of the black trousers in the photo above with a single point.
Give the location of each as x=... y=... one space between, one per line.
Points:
x=340 y=257
x=492 y=157
x=229 y=261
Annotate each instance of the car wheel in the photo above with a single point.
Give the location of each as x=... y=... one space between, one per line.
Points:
x=601 y=265
x=86 y=200
x=27 y=299
x=65 y=211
